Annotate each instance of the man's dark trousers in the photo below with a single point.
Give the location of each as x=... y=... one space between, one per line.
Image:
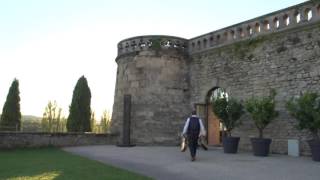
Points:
x=193 y=135
x=193 y=144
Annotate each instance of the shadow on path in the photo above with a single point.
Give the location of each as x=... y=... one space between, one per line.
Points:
x=169 y=163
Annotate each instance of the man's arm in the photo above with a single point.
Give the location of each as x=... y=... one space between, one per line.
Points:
x=185 y=128
x=202 y=130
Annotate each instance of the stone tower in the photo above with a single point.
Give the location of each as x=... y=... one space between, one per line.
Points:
x=154 y=71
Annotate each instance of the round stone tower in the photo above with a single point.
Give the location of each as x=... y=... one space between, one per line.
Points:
x=154 y=71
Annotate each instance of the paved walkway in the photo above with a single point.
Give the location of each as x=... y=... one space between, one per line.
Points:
x=168 y=163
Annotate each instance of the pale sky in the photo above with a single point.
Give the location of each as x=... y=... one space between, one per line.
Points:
x=48 y=44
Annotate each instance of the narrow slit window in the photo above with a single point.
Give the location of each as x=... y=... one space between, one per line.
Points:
x=266 y=25
x=308 y=14
x=257 y=27
x=276 y=23
x=240 y=31
x=249 y=29
x=233 y=35
x=298 y=17
x=286 y=20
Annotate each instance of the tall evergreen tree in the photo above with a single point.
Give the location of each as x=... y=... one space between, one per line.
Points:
x=11 y=115
x=80 y=111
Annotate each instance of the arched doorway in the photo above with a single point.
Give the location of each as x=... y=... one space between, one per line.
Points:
x=211 y=122
x=214 y=126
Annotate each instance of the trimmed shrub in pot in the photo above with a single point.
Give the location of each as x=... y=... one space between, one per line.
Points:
x=262 y=111
x=229 y=112
x=306 y=110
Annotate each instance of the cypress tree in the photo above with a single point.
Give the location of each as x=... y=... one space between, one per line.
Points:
x=79 y=110
x=11 y=115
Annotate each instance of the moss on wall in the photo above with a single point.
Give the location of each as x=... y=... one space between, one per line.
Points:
x=156 y=44
x=242 y=48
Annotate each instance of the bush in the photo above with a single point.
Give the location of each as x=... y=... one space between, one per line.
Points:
x=306 y=109
x=228 y=111
x=262 y=111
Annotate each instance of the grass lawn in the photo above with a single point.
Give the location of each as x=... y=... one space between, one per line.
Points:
x=52 y=163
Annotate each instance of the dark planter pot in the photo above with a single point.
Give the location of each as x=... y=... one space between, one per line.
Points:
x=230 y=144
x=315 y=149
x=260 y=146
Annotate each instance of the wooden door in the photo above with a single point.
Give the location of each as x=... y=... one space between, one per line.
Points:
x=213 y=127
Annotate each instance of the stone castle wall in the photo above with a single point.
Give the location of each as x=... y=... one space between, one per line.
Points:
x=288 y=62
x=10 y=140
x=279 y=50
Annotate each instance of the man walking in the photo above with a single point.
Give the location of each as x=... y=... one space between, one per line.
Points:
x=193 y=128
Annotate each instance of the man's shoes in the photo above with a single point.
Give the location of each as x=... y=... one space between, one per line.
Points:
x=193 y=158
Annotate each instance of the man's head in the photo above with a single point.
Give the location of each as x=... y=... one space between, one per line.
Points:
x=194 y=112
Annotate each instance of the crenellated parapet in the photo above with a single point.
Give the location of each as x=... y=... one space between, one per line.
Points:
x=141 y=43
x=291 y=17
x=295 y=16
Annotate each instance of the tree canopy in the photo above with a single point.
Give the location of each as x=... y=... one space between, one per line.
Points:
x=79 y=110
x=11 y=115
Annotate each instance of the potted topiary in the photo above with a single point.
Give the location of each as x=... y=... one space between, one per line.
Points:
x=306 y=109
x=229 y=112
x=262 y=111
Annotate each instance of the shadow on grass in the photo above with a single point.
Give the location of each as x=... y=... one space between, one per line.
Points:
x=52 y=163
